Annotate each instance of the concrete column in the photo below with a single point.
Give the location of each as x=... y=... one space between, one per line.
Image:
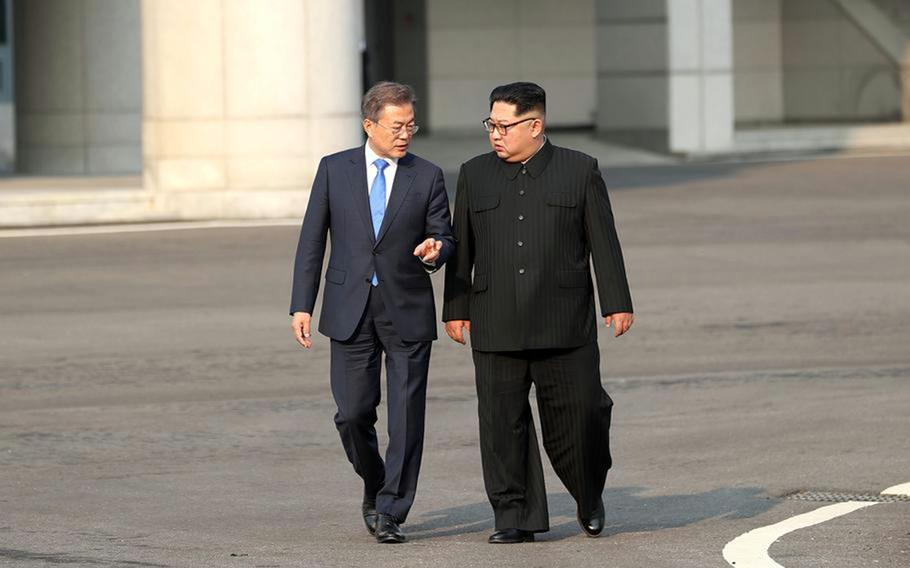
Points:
x=241 y=101
x=665 y=74
x=701 y=75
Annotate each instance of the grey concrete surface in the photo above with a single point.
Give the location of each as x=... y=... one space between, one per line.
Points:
x=155 y=411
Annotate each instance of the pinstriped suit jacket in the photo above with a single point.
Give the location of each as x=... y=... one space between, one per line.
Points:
x=526 y=235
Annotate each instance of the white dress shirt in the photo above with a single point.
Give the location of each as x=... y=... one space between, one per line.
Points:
x=372 y=170
x=389 y=173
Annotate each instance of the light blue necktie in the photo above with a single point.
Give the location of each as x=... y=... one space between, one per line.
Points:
x=377 y=202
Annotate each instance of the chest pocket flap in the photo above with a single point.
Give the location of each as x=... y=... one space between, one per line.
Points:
x=560 y=199
x=485 y=202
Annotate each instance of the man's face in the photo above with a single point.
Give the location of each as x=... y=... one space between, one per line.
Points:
x=519 y=141
x=390 y=134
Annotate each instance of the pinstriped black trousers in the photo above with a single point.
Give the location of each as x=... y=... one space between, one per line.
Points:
x=575 y=414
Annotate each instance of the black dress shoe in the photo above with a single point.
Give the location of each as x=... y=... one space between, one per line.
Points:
x=511 y=536
x=369 y=515
x=388 y=531
x=593 y=524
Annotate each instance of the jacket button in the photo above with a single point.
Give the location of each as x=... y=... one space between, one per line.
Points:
x=521 y=270
x=521 y=192
x=521 y=243
x=521 y=217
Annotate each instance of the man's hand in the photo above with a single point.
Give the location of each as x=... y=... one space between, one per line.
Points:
x=428 y=250
x=455 y=329
x=621 y=321
x=301 y=326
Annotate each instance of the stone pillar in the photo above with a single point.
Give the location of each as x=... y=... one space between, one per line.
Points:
x=242 y=101
x=664 y=74
x=701 y=75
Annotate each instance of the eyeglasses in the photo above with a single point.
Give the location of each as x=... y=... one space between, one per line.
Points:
x=503 y=129
x=397 y=130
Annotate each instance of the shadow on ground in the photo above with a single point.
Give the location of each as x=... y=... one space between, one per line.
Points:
x=627 y=512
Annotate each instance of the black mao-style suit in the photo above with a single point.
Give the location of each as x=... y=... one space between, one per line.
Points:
x=527 y=234
x=397 y=317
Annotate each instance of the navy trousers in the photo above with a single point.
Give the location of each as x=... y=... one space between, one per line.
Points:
x=355 y=377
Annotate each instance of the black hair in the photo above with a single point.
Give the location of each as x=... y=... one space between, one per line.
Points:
x=525 y=96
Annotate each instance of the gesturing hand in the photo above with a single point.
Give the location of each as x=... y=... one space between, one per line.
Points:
x=455 y=329
x=621 y=321
x=428 y=250
x=301 y=326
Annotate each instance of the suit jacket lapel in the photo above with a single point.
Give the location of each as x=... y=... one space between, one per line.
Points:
x=357 y=174
x=400 y=187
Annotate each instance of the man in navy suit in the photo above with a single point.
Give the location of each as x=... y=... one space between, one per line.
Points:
x=387 y=214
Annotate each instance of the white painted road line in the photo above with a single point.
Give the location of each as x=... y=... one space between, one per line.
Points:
x=902 y=489
x=146 y=227
x=750 y=550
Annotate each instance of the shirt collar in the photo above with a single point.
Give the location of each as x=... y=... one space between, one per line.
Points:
x=535 y=165
x=371 y=156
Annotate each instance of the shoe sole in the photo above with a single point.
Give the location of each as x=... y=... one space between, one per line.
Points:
x=529 y=539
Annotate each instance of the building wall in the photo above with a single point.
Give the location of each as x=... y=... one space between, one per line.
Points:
x=632 y=71
x=898 y=11
x=831 y=70
x=475 y=45
x=665 y=74
x=78 y=86
x=758 y=80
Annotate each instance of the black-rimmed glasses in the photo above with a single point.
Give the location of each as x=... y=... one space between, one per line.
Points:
x=503 y=129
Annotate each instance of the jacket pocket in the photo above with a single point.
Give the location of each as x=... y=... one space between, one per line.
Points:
x=558 y=199
x=484 y=202
x=334 y=275
x=480 y=283
x=573 y=278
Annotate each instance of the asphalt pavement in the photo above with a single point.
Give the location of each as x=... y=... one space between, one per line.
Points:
x=155 y=410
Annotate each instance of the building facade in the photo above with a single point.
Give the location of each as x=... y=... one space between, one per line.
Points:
x=225 y=106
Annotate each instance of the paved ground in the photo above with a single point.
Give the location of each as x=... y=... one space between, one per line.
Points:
x=154 y=410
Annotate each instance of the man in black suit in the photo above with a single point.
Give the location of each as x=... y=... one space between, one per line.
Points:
x=528 y=216
x=378 y=296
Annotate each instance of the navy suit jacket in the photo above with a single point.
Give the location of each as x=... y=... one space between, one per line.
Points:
x=418 y=208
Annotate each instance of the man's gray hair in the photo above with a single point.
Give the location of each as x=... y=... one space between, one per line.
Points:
x=382 y=94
